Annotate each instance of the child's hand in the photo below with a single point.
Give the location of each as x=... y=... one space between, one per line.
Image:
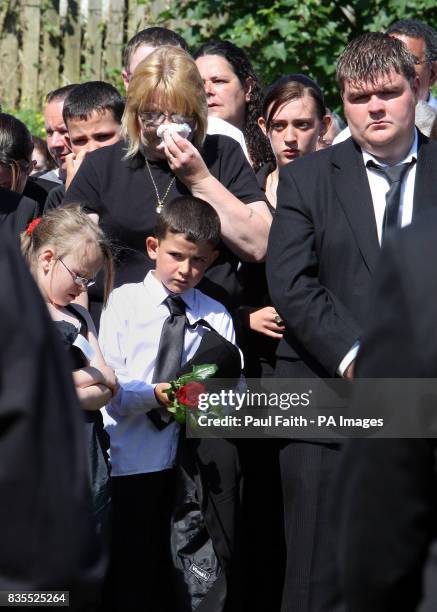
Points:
x=109 y=379
x=160 y=395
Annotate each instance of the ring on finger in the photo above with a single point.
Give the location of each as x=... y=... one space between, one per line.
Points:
x=278 y=320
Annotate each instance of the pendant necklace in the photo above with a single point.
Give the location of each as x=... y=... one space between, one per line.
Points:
x=159 y=201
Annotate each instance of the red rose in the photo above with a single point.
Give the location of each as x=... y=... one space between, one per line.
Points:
x=189 y=394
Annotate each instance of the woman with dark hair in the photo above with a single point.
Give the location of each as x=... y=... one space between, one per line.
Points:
x=293 y=117
x=16 y=147
x=234 y=93
x=16 y=161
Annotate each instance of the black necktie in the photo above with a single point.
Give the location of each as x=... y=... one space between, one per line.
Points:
x=169 y=356
x=394 y=175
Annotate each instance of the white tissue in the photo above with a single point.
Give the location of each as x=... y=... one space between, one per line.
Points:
x=183 y=129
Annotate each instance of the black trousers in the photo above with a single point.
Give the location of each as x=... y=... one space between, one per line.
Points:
x=141 y=572
x=308 y=470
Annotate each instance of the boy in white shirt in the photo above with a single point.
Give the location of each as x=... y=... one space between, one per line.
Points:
x=143 y=456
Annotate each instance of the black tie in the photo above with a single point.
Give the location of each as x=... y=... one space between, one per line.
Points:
x=169 y=356
x=394 y=175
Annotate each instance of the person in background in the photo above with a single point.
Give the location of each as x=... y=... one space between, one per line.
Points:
x=294 y=119
x=16 y=163
x=421 y=41
x=336 y=126
x=92 y=113
x=56 y=132
x=234 y=93
x=41 y=156
x=143 y=43
x=146 y=41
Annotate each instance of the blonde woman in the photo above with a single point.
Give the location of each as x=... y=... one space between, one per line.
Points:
x=126 y=184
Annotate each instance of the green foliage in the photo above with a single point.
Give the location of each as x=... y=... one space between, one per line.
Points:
x=283 y=36
x=32 y=119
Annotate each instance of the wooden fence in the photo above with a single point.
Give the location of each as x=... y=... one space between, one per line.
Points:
x=45 y=44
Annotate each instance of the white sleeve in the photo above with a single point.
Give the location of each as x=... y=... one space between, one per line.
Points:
x=133 y=396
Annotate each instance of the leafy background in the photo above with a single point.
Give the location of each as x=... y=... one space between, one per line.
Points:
x=290 y=35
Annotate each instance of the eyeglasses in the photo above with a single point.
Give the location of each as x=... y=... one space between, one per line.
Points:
x=84 y=283
x=155 y=118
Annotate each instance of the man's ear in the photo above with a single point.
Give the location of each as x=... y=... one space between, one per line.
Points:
x=248 y=88
x=326 y=124
x=152 y=246
x=415 y=86
x=262 y=125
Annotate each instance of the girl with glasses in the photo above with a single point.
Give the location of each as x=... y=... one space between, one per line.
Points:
x=65 y=250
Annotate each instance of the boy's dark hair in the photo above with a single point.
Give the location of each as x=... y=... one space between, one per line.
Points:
x=372 y=55
x=93 y=96
x=194 y=218
x=417 y=29
x=152 y=37
x=60 y=94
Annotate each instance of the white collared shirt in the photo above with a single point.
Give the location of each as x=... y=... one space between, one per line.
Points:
x=220 y=126
x=130 y=331
x=379 y=186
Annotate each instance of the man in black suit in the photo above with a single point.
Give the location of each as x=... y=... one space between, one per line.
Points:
x=386 y=500
x=334 y=209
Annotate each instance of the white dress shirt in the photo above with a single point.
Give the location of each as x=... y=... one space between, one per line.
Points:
x=379 y=186
x=130 y=331
x=220 y=126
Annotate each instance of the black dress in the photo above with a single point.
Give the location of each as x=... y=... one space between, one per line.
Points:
x=97 y=441
x=121 y=192
x=259 y=350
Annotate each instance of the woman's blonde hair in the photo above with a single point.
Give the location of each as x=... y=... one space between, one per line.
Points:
x=66 y=229
x=169 y=80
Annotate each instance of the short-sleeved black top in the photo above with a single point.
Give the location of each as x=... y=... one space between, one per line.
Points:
x=121 y=193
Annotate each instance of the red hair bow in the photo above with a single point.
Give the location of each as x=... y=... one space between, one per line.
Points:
x=32 y=225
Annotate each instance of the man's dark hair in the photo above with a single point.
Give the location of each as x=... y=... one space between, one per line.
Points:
x=60 y=94
x=417 y=29
x=372 y=55
x=194 y=218
x=94 y=96
x=152 y=37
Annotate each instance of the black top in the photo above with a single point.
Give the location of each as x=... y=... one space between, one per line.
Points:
x=121 y=193
x=38 y=189
x=16 y=211
x=55 y=197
